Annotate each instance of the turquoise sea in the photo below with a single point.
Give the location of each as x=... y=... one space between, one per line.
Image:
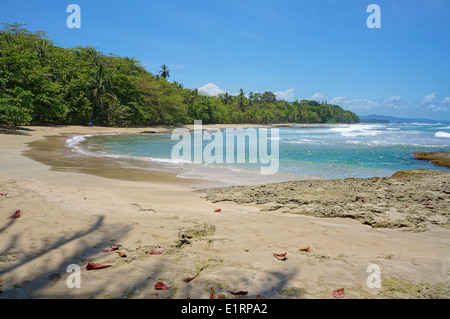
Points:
x=305 y=152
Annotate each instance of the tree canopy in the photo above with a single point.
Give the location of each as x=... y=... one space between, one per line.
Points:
x=42 y=83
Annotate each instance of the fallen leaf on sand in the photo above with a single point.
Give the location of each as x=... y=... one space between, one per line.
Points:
x=187 y=279
x=3 y=194
x=339 y=293
x=161 y=286
x=211 y=294
x=305 y=249
x=157 y=252
x=280 y=256
x=15 y=215
x=91 y=266
x=112 y=248
x=260 y=297
x=217 y=210
x=121 y=254
x=238 y=293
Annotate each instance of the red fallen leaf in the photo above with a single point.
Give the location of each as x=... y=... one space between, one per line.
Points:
x=339 y=293
x=121 y=254
x=238 y=293
x=157 y=252
x=91 y=266
x=15 y=215
x=305 y=249
x=217 y=210
x=113 y=247
x=280 y=256
x=211 y=294
x=3 y=194
x=188 y=279
x=425 y=204
x=161 y=286
x=260 y=297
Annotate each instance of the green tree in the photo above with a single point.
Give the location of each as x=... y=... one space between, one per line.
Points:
x=164 y=73
x=100 y=93
x=42 y=83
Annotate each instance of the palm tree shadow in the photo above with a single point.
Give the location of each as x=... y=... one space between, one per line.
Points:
x=47 y=275
x=55 y=245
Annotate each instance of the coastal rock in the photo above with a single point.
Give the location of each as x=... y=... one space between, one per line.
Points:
x=437 y=158
x=387 y=202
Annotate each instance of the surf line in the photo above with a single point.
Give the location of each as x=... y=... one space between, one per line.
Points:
x=191 y=149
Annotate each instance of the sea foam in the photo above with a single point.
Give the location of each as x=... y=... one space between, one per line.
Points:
x=442 y=134
x=358 y=130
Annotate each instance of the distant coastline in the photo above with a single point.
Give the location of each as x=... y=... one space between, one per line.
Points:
x=386 y=119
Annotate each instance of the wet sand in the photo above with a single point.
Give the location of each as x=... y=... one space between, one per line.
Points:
x=71 y=210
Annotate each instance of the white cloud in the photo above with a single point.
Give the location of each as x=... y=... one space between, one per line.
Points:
x=340 y=100
x=364 y=104
x=181 y=66
x=430 y=97
x=394 y=102
x=446 y=100
x=436 y=108
x=210 y=89
x=356 y=104
x=317 y=97
x=287 y=95
x=394 y=99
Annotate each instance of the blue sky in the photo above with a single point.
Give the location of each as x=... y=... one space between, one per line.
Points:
x=321 y=49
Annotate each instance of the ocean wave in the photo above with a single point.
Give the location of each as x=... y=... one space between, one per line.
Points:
x=141 y=158
x=301 y=141
x=426 y=124
x=358 y=130
x=442 y=134
x=77 y=139
x=388 y=143
x=74 y=142
x=362 y=133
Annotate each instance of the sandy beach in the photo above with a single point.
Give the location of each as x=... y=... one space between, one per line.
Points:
x=167 y=230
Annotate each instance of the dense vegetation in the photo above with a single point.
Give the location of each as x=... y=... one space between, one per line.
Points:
x=43 y=83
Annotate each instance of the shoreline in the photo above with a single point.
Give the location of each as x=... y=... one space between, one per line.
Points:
x=69 y=218
x=51 y=150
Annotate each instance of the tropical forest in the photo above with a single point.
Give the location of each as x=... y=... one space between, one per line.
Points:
x=42 y=83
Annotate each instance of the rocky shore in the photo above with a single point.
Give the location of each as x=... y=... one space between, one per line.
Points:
x=437 y=158
x=413 y=200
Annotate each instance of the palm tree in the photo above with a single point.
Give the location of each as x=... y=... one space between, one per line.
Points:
x=241 y=99
x=226 y=98
x=99 y=92
x=92 y=56
x=164 y=72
